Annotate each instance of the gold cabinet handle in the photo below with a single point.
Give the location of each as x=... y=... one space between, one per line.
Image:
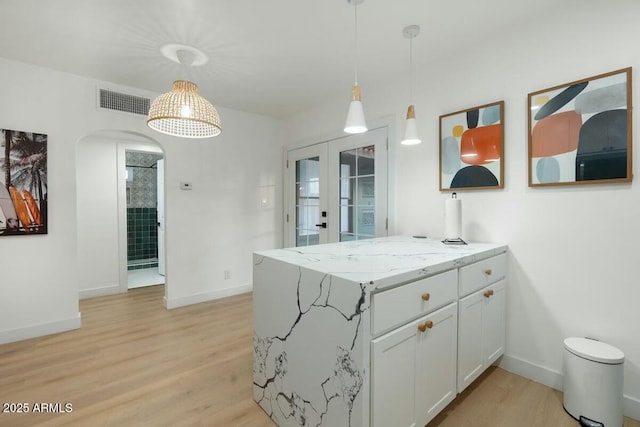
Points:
x=422 y=327
x=488 y=272
x=426 y=296
x=428 y=324
x=488 y=293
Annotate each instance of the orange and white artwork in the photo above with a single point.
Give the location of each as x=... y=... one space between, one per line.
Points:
x=580 y=132
x=471 y=148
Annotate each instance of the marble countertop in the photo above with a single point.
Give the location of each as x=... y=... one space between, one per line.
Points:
x=384 y=261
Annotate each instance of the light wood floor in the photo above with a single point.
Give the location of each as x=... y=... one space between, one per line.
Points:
x=133 y=363
x=502 y=399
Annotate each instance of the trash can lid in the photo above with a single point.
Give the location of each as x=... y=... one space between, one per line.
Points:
x=594 y=350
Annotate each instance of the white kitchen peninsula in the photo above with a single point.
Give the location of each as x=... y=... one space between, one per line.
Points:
x=365 y=333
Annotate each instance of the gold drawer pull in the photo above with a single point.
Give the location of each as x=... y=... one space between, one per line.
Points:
x=426 y=325
x=426 y=296
x=488 y=293
x=429 y=324
x=488 y=272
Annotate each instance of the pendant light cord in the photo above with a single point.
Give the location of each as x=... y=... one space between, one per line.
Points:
x=411 y=70
x=355 y=41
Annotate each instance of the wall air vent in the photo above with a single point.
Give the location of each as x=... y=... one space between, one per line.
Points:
x=111 y=100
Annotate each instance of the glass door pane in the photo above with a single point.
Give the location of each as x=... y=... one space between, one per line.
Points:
x=357 y=193
x=306 y=172
x=307 y=201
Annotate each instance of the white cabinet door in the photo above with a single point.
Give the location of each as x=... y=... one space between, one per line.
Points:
x=494 y=323
x=470 y=361
x=436 y=363
x=481 y=332
x=393 y=376
x=413 y=370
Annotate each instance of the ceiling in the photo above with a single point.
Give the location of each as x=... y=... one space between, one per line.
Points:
x=272 y=57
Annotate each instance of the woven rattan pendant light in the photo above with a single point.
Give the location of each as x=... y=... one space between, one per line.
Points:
x=182 y=112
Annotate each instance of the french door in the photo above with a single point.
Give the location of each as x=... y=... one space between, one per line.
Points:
x=337 y=190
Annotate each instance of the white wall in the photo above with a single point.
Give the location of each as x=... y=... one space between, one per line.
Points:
x=213 y=228
x=572 y=262
x=219 y=223
x=97 y=210
x=38 y=278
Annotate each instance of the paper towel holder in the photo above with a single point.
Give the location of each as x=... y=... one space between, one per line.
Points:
x=458 y=240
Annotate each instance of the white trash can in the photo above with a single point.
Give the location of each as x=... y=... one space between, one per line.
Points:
x=593 y=377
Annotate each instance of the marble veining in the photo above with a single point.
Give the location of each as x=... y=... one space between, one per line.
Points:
x=381 y=259
x=342 y=383
x=312 y=327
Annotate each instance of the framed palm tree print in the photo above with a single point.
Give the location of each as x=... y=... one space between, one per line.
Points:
x=23 y=183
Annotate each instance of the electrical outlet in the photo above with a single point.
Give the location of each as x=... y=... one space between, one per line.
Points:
x=227 y=275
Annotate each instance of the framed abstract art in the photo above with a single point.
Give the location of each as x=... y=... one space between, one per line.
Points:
x=471 y=148
x=580 y=132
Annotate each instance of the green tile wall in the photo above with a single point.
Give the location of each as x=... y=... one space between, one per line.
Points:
x=142 y=235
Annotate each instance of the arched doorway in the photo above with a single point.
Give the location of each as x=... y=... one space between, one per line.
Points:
x=102 y=194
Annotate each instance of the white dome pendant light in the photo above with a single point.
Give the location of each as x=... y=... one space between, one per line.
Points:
x=356 y=122
x=411 y=128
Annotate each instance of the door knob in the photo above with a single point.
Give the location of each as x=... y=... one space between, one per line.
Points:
x=323 y=225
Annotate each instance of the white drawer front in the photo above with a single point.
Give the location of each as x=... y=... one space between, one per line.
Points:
x=396 y=306
x=482 y=273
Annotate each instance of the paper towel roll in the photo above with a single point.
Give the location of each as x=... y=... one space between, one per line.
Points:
x=452 y=219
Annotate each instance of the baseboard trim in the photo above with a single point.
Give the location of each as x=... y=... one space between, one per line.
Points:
x=527 y=369
x=631 y=407
x=19 y=334
x=170 y=303
x=99 y=292
x=553 y=379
